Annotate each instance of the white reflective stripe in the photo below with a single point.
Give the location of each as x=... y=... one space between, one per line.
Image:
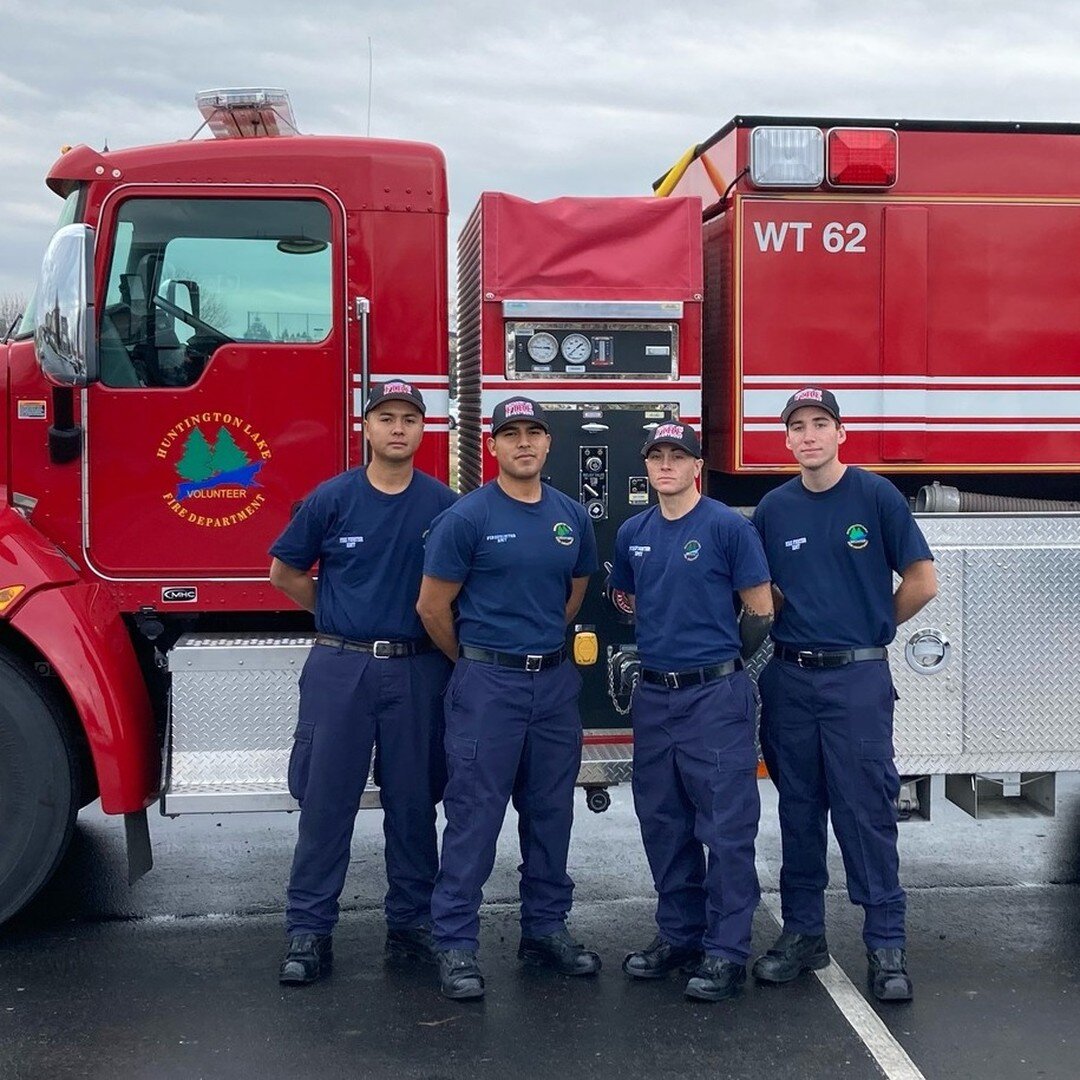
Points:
x=688 y=400
x=906 y=425
x=928 y=381
x=429 y=426
x=943 y=404
x=436 y=401
x=420 y=380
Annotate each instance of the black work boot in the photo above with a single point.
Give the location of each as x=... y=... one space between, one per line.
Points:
x=887 y=975
x=660 y=958
x=560 y=952
x=790 y=956
x=414 y=941
x=459 y=975
x=716 y=979
x=309 y=957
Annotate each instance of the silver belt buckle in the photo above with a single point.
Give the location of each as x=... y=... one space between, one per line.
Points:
x=671 y=680
x=381 y=650
x=804 y=656
x=533 y=662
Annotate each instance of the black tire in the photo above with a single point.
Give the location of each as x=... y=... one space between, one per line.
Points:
x=39 y=786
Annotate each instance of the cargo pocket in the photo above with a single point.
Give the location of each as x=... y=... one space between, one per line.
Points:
x=459 y=798
x=880 y=779
x=736 y=804
x=300 y=762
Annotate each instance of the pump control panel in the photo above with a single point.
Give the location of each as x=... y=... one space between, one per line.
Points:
x=593 y=350
x=594 y=481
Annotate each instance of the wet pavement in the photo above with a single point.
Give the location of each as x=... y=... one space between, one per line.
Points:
x=176 y=976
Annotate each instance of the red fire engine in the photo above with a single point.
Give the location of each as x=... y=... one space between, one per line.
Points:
x=211 y=313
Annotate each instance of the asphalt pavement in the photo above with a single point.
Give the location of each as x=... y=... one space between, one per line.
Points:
x=176 y=977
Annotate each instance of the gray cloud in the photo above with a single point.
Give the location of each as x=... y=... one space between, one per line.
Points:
x=540 y=100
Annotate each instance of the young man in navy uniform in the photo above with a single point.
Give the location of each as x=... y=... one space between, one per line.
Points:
x=515 y=555
x=372 y=677
x=680 y=564
x=834 y=536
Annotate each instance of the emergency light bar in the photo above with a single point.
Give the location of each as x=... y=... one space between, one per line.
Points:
x=787 y=157
x=246 y=113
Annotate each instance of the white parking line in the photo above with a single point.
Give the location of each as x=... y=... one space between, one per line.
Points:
x=876 y=1037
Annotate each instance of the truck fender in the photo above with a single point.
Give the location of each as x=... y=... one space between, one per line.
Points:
x=29 y=559
x=78 y=630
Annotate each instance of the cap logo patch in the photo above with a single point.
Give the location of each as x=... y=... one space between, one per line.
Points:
x=858 y=536
x=809 y=394
x=398 y=388
x=668 y=431
x=691 y=550
x=564 y=534
x=519 y=408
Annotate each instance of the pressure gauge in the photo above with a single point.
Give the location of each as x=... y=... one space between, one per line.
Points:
x=542 y=348
x=576 y=348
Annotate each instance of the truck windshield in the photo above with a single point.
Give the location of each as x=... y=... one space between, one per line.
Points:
x=69 y=213
x=189 y=275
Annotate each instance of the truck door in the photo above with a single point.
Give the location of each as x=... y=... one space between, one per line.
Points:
x=222 y=398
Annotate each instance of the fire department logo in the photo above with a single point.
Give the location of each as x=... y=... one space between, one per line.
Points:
x=519 y=408
x=811 y=393
x=216 y=458
x=858 y=536
x=691 y=550
x=563 y=534
x=668 y=431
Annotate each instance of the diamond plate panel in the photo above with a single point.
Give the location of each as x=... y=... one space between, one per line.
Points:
x=930 y=710
x=233 y=716
x=1009 y=601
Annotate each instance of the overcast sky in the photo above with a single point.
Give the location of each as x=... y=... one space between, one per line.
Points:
x=539 y=100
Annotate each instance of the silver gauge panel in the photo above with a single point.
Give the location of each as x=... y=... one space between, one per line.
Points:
x=592 y=350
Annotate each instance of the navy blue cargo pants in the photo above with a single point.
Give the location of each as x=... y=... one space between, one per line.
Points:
x=696 y=797
x=826 y=734
x=510 y=734
x=349 y=701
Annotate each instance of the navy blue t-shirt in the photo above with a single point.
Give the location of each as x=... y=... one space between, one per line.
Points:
x=683 y=575
x=370 y=551
x=515 y=561
x=832 y=554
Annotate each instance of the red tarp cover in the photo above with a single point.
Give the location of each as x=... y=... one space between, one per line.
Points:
x=592 y=248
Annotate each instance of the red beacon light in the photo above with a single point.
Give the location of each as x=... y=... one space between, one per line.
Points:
x=862 y=157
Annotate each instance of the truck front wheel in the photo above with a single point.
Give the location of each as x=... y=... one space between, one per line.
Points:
x=39 y=786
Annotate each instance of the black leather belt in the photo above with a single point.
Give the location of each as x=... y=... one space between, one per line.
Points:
x=676 y=680
x=529 y=662
x=381 y=650
x=827 y=657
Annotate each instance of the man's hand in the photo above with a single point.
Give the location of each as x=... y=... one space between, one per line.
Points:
x=918 y=586
x=435 y=608
x=297 y=585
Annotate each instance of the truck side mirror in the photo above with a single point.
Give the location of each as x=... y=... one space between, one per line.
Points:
x=182 y=293
x=64 y=334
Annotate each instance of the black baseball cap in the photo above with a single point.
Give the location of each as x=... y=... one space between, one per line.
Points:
x=394 y=390
x=812 y=395
x=518 y=408
x=672 y=433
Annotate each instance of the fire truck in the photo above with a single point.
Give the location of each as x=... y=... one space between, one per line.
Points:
x=211 y=314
